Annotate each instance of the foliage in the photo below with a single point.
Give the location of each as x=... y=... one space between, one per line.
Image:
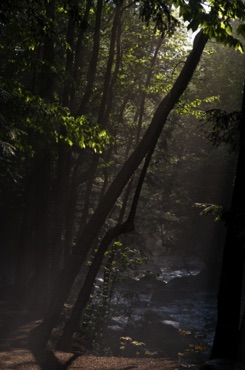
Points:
x=215 y=18
x=130 y=347
x=193 y=350
x=30 y=124
x=122 y=261
x=158 y=12
x=211 y=209
x=194 y=107
x=49 y=65
x=224 y=127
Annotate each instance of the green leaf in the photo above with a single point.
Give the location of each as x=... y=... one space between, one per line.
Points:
x=239 y=46
x=241 y=30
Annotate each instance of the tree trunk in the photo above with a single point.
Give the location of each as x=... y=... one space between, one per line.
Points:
x=31 y=265
x=76 y=179
x=40 y=281
x=113 y=80
x=113 y=233
x=103 y=111
x=241 y=343
x=107 y=88
x=46 y=75
x=78 y=57
x=87 y=287
x=70 y=52
x=229 y=297
x=26 y=240
x=143 y=93
x=93 y=62
x=58 y=214
x=41 y=334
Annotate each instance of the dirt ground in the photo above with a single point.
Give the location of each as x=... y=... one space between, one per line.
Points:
x=25 y=360
x=15 y=325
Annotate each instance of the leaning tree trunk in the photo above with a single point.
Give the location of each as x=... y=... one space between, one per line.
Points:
x=85 y=240
x=229 y=297
x=113 y=233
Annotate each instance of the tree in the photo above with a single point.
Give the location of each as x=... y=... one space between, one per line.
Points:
x=95 y=223
x=57 y=35
x=148 y=141
x=227 y=334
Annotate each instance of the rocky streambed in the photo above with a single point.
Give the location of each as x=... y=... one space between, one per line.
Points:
x=151 y=317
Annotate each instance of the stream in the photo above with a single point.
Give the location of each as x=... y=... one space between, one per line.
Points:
x=169 y=317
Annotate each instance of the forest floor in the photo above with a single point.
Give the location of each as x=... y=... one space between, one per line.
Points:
x=15 y=324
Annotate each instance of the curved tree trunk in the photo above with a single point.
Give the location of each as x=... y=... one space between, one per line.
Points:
x=120 y=228
x=85 y=240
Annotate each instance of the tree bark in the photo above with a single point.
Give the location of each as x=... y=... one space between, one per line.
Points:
x=46 y=75
x=41 y=334
x=59 y=211
x=107 y=88
x=103 y=111
x=229 y=296
x=147 y=83
x=241 y=342
x=40 y=278
x=120 y=228
x=78 y=56
x=87 y=287
x=31 y=265
x=93 y=62
x=26 y=239
x=70 y=52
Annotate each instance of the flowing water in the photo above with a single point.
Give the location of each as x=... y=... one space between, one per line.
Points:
x=173 y=319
